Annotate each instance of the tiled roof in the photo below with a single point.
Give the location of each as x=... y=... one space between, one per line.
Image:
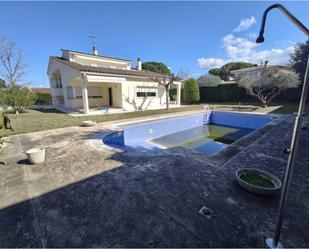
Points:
x=39 y=89
x=105 y=70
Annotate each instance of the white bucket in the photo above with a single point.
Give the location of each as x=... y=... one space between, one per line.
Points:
x=36 y=155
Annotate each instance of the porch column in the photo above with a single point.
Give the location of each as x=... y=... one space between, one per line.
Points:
x=85 y=94
x=178 y=94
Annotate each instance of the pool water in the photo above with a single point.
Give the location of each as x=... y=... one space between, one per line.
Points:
x=209 y=140
x=204 y=133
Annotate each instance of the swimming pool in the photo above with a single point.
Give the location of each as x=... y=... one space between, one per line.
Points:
x=204 y=133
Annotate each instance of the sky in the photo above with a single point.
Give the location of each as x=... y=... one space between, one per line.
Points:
x=194 y=36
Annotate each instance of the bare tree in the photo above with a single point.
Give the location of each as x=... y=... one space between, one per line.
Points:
x=12 y=66
x=168 y=80
x=265 y=85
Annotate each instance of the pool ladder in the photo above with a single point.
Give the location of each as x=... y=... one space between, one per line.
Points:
x=206 y=118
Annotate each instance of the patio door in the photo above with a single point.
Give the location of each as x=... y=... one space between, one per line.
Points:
x=110 y=96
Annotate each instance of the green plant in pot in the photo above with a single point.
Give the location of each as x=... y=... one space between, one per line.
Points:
x=258 y=182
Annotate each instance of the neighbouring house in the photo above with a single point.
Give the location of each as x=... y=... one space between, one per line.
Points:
x=261 y=68
x=86 y=82
x=39 y=89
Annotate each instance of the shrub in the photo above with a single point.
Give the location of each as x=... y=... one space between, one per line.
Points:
x=191 y=91
x=17 y=97
x=43 y=98
x=267 y=85
x=208 y=80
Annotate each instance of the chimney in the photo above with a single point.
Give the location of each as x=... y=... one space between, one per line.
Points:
x=94 y=51
x=139 y=64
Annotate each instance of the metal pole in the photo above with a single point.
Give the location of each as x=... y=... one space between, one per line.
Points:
x=274 y=243
x=292 y=157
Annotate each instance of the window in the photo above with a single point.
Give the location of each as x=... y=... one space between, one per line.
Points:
x=56 y=80
x=151 y=94
x=141 y=94
x=93 y=92
x=144 y=91
x=70 y=92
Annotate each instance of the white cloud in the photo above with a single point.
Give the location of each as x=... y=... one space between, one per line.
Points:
x=244 y=49
x=237 y=46
x=210 y=62
x=253 y=35
x=245 y=23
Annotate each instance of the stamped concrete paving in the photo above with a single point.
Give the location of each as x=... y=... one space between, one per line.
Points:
x=83 y=197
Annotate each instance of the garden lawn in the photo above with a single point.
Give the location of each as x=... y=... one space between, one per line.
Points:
x=45 y=119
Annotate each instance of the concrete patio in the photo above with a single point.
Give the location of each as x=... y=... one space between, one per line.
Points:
x=86 y=197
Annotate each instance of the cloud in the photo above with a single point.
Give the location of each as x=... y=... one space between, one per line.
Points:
x=253 y=35
x=245 y=23
x=210 y=62
x=244 y=49
x=237 y=46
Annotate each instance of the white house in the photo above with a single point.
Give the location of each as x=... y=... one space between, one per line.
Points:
x=81 y=81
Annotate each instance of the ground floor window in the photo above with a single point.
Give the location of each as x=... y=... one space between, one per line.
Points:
x=144 y=91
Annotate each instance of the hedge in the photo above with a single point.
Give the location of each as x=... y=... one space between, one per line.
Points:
x=42 y=98
x=233 y=93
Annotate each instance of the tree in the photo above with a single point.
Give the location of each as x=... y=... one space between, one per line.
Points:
x=208 y=80
x=17 y=97
x=12 y=66
x=168 y=81
x=299 y=58
x=2 y=84
x=265 y=85
x=225 y=71
x=157 y=67
x=215 y=71
x=191 y=91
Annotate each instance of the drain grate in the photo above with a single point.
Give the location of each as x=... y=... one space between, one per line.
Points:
x=207 y=212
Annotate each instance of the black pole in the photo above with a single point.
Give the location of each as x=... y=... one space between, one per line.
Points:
x=274 y=243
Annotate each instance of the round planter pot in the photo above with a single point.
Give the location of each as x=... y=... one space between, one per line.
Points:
x=36 y=155
x=257 y=190
x=88 y=123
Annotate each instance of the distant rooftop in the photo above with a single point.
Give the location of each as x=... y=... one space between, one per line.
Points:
x=262 y=68
x=39 y=89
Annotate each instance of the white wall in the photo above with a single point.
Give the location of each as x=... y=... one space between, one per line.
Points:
x=90 y=60
x=124 y=94
x=67 y=75
x=132 y=103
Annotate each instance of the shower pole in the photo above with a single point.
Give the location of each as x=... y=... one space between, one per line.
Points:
x=274 y=242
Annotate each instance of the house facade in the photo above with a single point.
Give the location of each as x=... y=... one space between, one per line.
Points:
x=84 y=82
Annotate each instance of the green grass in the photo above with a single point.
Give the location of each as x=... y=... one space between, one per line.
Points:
x=257 y=180
x=39 y=120
x=273 y=108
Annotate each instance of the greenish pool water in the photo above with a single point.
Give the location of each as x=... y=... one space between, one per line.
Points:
x=201 y=139
x=257 y=180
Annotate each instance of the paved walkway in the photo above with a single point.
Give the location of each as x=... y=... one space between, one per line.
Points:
x=81 y=197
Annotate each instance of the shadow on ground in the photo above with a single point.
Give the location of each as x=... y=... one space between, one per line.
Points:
x=154 y=201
